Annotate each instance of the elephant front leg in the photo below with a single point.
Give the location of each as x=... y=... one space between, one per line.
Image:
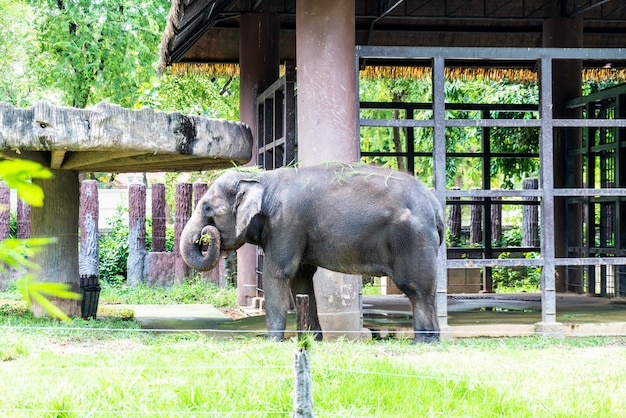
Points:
x=277 y=301
x=302 y=283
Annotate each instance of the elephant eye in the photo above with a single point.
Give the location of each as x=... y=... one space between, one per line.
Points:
x=208 y=211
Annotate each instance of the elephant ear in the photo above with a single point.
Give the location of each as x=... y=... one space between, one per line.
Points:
x=247 y=203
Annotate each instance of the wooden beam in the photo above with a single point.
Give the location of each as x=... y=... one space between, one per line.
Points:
x=56 y=159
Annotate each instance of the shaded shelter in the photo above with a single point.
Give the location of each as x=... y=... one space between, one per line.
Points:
x=567 y=38
x=112 y=139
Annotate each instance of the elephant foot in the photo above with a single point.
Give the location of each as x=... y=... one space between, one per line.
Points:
x=426 y=337
x=276 y=336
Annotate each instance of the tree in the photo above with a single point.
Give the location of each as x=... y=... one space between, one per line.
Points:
x=97 y=50
x=204 y=94
x=16 y=41
x=466 y=172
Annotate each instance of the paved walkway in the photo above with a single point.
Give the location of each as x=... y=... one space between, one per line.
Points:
x=468 y=315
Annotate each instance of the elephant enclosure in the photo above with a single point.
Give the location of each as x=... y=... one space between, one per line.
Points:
x=156 y=267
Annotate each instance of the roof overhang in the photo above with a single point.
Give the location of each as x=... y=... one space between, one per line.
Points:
x=207 y=31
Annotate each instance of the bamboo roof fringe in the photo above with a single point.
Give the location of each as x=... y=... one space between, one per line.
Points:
x=519 y=75
x=169 y=34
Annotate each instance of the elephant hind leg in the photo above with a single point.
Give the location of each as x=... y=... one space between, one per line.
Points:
x=421 y=292
x=302 y=283
x=425 y=323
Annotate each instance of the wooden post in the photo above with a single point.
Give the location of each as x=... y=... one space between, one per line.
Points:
x=454 y=218
x=5 y=211
x=303 y=394
x=496 y=219
x=23 y=219
x=158 y=217
x=182 y=213
x=136 y=233
x=88 y=261
x=302 y=315
x=88 y=255
x=530 y=217
x=476 y=220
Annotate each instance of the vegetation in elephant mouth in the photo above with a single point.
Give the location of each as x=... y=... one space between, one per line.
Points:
x=204 y=240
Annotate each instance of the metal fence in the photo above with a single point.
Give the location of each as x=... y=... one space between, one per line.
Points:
x=543 y=59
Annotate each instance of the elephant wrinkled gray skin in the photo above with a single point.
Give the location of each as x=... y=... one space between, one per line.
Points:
x=353 y=219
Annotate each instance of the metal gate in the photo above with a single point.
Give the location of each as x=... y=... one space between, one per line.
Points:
x=276 y=133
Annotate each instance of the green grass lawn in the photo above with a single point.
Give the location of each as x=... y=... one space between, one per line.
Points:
x=110 y=368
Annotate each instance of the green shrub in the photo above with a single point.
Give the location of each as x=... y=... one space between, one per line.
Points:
x=516 y=279
x=113 y=246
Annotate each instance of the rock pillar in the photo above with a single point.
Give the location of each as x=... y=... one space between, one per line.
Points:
x=327 y=131
x=58 y=219
x=259 y=62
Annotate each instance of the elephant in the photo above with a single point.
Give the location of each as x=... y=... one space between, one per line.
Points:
x=349 y=218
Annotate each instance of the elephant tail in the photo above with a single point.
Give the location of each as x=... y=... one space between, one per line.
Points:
x=440 y=224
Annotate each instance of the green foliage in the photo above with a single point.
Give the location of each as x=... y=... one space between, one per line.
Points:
x=193 y=94
x=516 y=279
x=17 y=175
x=91 y=51
x=40 y=291
x=113 y=246
x=15 y=253
x=461 y=171
x=17 y=40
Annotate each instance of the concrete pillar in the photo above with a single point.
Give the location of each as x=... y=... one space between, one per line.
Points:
x=259 y=62
x=327 y=131
x=58 y=219
x=327 y=122
x=567 y=84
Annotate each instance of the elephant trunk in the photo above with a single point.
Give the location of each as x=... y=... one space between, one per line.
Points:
x=200 y=246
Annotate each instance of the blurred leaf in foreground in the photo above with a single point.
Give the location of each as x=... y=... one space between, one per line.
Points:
x=17 y=174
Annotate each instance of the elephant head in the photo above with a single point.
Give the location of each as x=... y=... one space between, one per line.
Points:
x=221 y=219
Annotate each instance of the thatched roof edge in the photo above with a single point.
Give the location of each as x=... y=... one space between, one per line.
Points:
x=169 y=34
x=373 y=72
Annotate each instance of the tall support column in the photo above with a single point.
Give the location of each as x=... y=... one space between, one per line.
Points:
x=548 y=325
x=325 y=40
x=58 y=219
x=439 y=162
x=566 y=84
x=259 y=61
x=327 y=131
